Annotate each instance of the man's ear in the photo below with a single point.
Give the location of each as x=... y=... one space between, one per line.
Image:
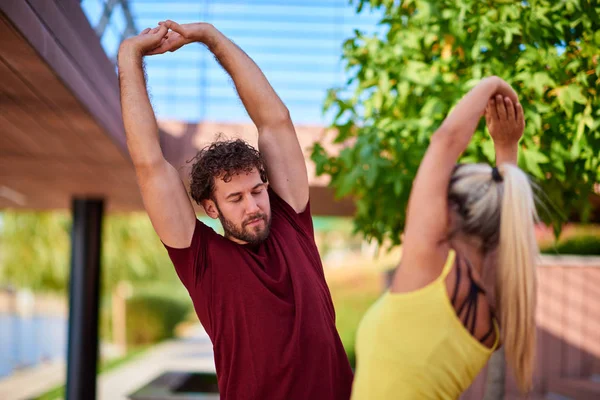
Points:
x=210 y=208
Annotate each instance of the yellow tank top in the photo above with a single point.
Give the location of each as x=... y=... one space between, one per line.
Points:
x=413 y=346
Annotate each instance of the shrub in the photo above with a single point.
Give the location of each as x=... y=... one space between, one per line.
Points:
x=153 y=316
x=581 y=245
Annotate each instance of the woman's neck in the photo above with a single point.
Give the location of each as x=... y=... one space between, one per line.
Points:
x=471 y=249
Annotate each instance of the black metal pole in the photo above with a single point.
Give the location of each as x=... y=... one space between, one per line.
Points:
x=84 y=293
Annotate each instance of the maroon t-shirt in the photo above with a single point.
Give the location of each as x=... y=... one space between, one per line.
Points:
x=267 y=310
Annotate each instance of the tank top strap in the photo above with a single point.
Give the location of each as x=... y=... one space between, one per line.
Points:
x=497 y=332
x=448 y=266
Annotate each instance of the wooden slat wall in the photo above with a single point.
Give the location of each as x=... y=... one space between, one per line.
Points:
x=568 y=326
x=591 y=324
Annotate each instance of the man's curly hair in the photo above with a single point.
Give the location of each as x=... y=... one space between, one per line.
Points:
x=223 y=159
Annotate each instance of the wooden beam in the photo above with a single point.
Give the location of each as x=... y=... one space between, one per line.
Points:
x=98 y=93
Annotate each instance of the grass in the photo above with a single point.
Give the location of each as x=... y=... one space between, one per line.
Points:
x=59 y=391
x=353 y=292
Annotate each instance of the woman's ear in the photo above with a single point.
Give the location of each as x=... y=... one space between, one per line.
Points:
x=453 y=216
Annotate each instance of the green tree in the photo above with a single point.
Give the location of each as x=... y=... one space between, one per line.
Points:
x=35 y=251
x=426 y=55
x=133 y=252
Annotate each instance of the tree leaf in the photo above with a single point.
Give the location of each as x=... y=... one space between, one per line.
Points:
x=430 y=54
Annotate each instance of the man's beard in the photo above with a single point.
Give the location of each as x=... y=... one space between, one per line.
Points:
x=246 y=234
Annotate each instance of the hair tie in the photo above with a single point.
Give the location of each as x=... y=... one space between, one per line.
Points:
x=496 y=175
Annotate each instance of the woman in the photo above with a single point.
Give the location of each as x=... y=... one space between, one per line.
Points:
x=433 y=332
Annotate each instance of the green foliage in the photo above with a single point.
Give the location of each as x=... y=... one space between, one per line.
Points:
x=152 y=316
x=35 y=251
x=353 y=293
x=587 y=245
x=349 y=313
x=427 y=54
x=133 y=252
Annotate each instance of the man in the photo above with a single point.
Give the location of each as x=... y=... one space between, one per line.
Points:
x=259 y=291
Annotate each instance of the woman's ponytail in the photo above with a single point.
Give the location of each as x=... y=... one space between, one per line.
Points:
x=516 y=284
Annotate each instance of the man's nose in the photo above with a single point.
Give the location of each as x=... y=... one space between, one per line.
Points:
x=251 y=206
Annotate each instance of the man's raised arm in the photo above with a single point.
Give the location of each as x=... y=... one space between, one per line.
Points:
x=163 y=193
x=277 y=139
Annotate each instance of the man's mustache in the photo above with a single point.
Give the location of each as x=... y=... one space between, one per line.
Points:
x=254 y=218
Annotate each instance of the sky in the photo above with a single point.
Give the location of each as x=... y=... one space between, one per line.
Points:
x=297 y=44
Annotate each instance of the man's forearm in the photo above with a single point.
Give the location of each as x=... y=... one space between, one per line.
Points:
x=138 y=117
x=263 y=105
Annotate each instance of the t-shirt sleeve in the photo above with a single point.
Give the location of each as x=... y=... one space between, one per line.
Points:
x=300 y=221
x=190 y=262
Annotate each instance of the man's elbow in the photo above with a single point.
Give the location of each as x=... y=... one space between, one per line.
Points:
x=276 y=121
x=148 y=164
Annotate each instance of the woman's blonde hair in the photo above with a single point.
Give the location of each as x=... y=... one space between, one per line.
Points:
x=498 y=208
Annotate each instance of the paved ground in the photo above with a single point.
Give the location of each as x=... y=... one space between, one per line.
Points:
x=193 y=353
x=30 y=382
